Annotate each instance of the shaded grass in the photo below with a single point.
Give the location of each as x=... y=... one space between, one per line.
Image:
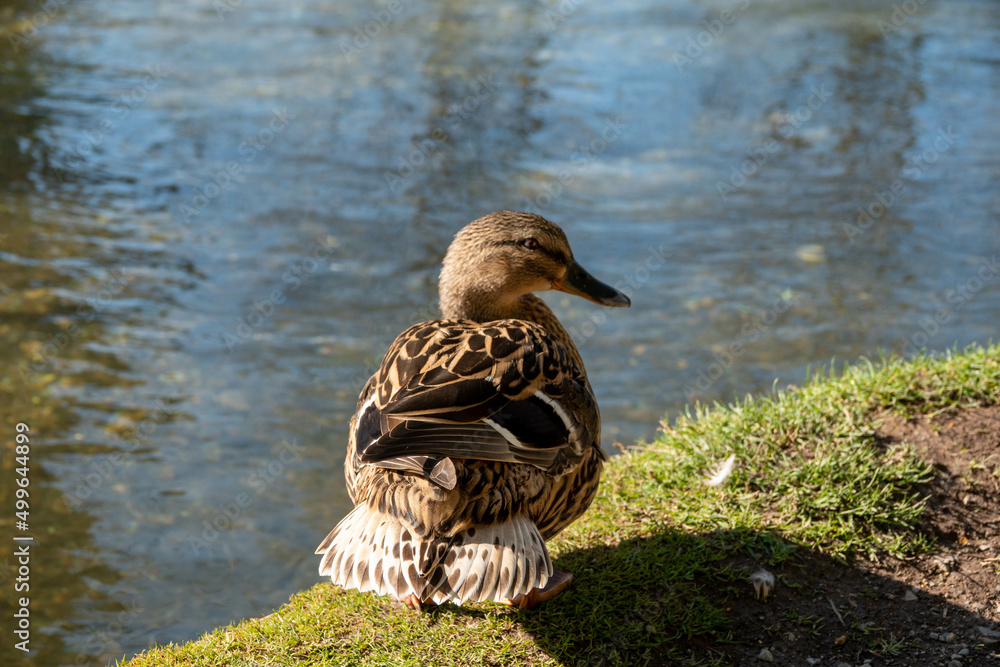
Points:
x=654 y=557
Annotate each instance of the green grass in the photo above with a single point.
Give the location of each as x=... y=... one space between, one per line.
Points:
x=656 y=557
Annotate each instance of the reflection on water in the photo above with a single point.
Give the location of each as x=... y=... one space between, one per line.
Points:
x=214 y=219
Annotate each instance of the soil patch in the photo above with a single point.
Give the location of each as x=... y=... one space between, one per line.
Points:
x=938 y=609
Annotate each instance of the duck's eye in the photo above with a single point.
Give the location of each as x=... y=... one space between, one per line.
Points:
x=531 y=244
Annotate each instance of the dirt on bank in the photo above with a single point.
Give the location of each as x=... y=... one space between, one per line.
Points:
x=937 y=609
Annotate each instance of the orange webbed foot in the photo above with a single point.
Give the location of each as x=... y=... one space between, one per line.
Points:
x=413 y=602
x=556 y=584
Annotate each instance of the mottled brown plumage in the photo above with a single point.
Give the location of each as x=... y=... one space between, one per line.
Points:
x=479 y=436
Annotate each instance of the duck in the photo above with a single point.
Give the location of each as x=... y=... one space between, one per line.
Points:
x=477 y=440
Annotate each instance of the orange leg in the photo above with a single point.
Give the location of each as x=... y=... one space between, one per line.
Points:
x=413 y=602
x=556 y=584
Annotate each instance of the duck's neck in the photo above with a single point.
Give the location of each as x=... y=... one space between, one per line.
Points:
x=479 y=305
x=526 y=307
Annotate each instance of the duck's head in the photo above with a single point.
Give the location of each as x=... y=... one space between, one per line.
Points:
x=496 y=260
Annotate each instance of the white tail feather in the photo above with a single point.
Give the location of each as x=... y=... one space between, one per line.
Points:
x=370 y=551
x=490 y=578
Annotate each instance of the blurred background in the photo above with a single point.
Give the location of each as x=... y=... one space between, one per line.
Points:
x=215 y=217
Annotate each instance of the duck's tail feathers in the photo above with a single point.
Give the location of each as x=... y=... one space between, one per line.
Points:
x=372 y=551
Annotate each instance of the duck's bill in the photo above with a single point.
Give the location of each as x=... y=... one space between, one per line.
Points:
x=579 y=282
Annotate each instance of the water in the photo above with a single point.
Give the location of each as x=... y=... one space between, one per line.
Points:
x=215 y=217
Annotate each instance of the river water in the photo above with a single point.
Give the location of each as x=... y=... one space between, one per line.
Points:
x=214 y=217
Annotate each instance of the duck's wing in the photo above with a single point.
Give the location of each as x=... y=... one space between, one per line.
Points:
x=505 y=391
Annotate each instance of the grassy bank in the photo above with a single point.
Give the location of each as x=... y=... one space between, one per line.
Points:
x=662 y=558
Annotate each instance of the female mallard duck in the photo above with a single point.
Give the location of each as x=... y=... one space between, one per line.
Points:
x=479 y=436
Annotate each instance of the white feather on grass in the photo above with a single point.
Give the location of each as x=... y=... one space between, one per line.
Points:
x=722 y=472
